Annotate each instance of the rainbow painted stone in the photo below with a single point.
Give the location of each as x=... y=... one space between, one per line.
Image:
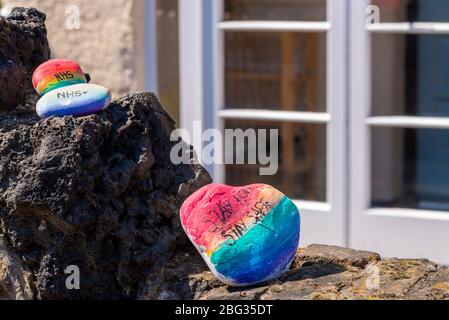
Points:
x=75 y=100
x=57 y=73
x=246 y=235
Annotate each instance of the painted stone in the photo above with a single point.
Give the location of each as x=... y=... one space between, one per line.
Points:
x=76 y=100
x=57 y=73
x=246 y=235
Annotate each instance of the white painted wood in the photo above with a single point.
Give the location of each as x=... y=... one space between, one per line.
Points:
x=414 y=214
x=412 y=122
x=336 y=221
x=271 y=115
x=313 y=206
x=404 y=233
x=315 y=231
x=191 y=67
x=392 y=232
x=150 y=43
x=219 y=79
x=360 y=92
x=271 y=26
x=409 y=28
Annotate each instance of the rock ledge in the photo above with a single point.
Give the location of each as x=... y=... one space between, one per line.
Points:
x=319 y=272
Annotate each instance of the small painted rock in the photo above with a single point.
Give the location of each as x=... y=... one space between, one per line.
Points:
x=76 y=100
x=57 y=73
x=247 y=235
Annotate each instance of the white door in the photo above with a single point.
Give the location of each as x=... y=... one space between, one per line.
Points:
x=399 y=128
x=275 y=65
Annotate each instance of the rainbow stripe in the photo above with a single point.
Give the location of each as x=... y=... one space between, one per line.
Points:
x=246 y=235
x=57 y=73
x=77 y=100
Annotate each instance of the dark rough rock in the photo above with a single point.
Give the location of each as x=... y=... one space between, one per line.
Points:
x=98 y=192
x=23 y=47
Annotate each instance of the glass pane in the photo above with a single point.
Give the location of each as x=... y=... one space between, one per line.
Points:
x=299 y=10
x=410 y=168
x=410 y=75
x=302 y=160
x=413 y=10
x=167 y=55
x=278 y=71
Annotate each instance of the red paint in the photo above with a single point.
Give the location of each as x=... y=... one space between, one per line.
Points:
x=54 y=66
x=209 y=214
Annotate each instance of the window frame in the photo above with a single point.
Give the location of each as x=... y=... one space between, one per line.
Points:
x=325 y=222
x=398 y=232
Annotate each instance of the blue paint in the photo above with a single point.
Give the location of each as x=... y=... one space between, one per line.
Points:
x=265 y=250
x=76 y=100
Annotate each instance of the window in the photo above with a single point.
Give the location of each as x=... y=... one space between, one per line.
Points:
x=302 y=167
x=399 y=133
x=275 y=66
x=280 y=10
x=409 y=78
x=279 y=71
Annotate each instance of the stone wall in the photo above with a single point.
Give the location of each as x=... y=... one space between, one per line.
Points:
x=108 y=43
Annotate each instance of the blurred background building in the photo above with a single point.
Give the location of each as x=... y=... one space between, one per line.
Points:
x=359 y=90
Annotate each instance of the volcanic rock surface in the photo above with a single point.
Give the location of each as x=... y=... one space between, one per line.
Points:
x=23 y=47
x=99 y=192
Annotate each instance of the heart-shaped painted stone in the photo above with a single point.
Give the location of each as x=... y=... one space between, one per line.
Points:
x=57 y=73
x=76 y=100
x=246 y=235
